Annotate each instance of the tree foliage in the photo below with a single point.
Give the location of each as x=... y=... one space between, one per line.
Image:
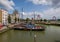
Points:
x=9 y=19
x=27 y=19
x=45 y=20
x=18 y=19
x=41 y=20
x=15 y=19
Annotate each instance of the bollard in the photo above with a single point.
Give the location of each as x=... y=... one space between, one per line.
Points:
x=34 y=38
x=30 y=31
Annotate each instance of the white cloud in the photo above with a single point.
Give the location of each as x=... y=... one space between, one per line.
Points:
x=7 y=4
x=51 y=12
x=38 y=1
x=54 y=3
x=12 y=3
x=46 y=14
x=31 y=14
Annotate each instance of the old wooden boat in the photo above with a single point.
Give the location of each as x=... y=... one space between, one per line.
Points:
x=29 y=27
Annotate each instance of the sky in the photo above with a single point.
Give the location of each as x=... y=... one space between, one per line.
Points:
x=45 y=8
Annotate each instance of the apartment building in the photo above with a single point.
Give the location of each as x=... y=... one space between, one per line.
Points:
x=12 y=16
x=16 y=15
x=3 y=17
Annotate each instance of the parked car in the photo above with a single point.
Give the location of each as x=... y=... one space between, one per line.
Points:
x=1 y=26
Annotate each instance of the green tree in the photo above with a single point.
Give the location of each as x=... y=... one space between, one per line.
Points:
x=9 y=19
x=27 y=19
x=18 y=19
x=58 y=19
x=45 y=20
x=41 y=20
x=15 y=19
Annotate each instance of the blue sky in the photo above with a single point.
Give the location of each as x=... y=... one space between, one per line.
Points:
x=45 y=8
x=29 y=6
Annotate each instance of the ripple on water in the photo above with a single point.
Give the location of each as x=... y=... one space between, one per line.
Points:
x=51 y=34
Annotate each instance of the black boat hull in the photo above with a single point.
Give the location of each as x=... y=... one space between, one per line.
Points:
x=29 y=29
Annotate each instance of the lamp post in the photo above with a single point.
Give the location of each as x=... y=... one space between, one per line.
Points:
x=22 y=13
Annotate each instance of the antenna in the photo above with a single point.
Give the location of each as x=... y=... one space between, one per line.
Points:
x=22 y=13
x=34 y=15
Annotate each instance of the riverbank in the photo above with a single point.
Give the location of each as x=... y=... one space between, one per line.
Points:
x=47 y=23
x=4 y=29
x=49 y=35
x=53 y=24
x=10 y=26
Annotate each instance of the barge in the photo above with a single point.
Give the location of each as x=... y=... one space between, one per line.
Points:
x=29 y=27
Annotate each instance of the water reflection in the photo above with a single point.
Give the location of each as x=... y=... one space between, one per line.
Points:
x=51 y=34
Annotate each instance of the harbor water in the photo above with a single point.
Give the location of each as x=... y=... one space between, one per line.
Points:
x=51 y=34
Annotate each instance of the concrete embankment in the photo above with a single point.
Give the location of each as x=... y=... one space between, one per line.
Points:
x=45 y=23
x=54 y=24
x=10 y=26
x=4 y=29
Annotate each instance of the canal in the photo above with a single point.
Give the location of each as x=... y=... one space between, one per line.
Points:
x=51 y=34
